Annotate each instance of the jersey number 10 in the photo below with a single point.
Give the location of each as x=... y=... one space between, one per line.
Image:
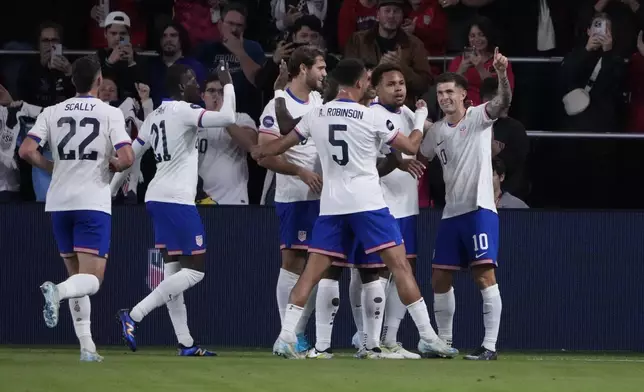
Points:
x=343 y=159
x=164 y=141
x=71 y=155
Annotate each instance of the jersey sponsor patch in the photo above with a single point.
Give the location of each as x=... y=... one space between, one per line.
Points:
x=268 y=122
x=199 y=240
x=390 y=125
x=194 y=106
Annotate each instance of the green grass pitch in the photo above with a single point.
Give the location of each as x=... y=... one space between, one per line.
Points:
x=158 y=370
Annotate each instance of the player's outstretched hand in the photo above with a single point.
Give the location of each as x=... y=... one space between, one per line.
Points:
x=313 y=180
x=500 y=62
x=413 y=167
x=224 y=73
x=282 y=79
x=421 y=104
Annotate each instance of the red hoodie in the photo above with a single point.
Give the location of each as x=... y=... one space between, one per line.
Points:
x=138 y=31
x=354 y=17
x=431 y=26
x=195 y=16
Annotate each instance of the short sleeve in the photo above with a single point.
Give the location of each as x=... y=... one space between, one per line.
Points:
x=244 y=120
x=40 y=131
x=477 y=115
x=428 y=143
x=268 y=120
x=143 y=137
x=385 y=129
x=191 y=114
x=116 y=129
x=303 y=128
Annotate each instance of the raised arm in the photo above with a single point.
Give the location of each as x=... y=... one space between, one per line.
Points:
x=285 y=121
x=501 y=102
x=224 y=117
x=275 y=147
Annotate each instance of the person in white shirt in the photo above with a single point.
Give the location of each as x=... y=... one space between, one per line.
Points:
x=348 y=137
x=468 y=236
x=84 y=133
x=171 y=132
x=223 y=151
x=298 y=182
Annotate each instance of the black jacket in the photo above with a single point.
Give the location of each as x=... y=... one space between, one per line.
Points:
x=124 y=75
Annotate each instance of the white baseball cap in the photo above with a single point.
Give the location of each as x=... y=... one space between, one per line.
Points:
x=117 y=18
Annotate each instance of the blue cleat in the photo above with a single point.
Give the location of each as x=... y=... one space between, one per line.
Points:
x=303 y=345
x=482 y=354
x=52 y=303
x=194 y=351
x=287 y=350
x=436 y=349
x=88 y=356
x=129 y=328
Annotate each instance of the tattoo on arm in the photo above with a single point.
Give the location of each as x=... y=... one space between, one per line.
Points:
x=502 y=100
x=285 y=121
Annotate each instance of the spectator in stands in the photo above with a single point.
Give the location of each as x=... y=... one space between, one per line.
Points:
x=636 y=85
x=476 y=61
x=354 y=16
x=47 y=80
x=223 y=153
x=627 y=19
x=199 y=18
x=428 y=22
x=387 y=42
x=119 y=61
x=174 y=47
x=502 y=197
x=510 y=144
x=460 y=12
x=591 y=77
x=108 y=91
x=133 y=8
x=245 y=57
x=287 y=12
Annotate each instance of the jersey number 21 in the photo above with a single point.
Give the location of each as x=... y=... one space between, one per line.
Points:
x=159 y=133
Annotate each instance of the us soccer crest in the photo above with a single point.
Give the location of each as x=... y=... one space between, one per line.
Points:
x=199 y=240
x=301 y=235
x=155 y=268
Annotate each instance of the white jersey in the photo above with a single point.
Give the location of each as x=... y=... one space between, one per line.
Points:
x=222 y=163
x=83 y=133
x=291 y=188
x=399 y=188
x=465 y=152
x=171 y=131
x=348 y=137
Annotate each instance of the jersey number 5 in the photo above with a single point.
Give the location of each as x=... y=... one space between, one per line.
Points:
x=164 y=141
x=343 y=159
x=71 y=155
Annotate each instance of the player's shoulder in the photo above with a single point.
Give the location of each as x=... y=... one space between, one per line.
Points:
x=407 y=113
x=184 y=106
x=315 y=98
x=244 y=120
x=270 y=105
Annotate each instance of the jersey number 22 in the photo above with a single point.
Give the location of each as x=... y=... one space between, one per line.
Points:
x=71 y=155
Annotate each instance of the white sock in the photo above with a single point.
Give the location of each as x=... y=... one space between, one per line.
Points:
x=355 y=297
x=492 y=307
x=166 y=291
x=373 y=307
x=81 y=309
x=306 y=313
x=177 y=309
x=444 y=309
x=285 y=282
x=78 y=285
x=292 y=316
x=326 y=307
x=418 y=312
x=394 y=313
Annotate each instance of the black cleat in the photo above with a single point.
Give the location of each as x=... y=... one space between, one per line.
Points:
x=482 y=354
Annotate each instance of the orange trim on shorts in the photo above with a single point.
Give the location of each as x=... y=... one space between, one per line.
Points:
x=327 y=253
x=412 y=256
x=90 y=251
x=198 y=252
x=160 y=246
x=381 y=247
x=296 y=247
x=67 y=254
x=175 y=253
x=481 y=262
x=359 y=266
x=447 y=267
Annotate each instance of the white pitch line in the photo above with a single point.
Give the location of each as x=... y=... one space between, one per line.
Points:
x=546 y=359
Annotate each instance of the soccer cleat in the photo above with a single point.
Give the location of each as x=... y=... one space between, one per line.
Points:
x=303 y=345
x=315 y=354
x=194 y=351
x=397 y=348
x=376 y=353
x=436 y=348
x=88 y=356
x=355 y=341
x=482 y=354
x=128 y=328
x=287 y=350
x=52 y=303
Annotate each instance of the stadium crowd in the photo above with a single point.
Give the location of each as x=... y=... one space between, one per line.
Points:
x=598 y=87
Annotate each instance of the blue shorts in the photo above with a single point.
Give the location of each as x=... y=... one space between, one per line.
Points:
x=83 y=231
x=408 y=229
x=467 y=240
x=336 y=235
x=296 y=223
x=177 y=228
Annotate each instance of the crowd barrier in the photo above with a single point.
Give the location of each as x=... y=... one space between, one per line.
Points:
x=569 y=280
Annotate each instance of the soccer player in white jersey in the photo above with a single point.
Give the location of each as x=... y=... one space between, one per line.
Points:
x=468 y=236
x=171 y=132
x=223 y=166
x=84 y=133
x=348 y=137
x=297 y=191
